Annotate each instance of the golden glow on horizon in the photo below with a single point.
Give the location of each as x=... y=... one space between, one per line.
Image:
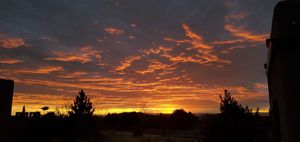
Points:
x=61 y=103
x=33 y=108
x=156 y=110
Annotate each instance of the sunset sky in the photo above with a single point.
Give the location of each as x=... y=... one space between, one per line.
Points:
x=135 y=55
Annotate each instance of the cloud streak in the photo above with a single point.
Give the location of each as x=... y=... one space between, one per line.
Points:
x=114 y=31
x=86 y=54
x=243 y=33
x=11 y=43
x=156 y=65
x=40 y=70
x=10 y=61
x=204 y=51
x=127 y=62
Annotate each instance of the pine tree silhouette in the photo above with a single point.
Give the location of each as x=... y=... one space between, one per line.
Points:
x=230 y=106
x=82 y=107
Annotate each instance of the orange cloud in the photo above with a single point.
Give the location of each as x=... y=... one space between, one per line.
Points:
x=127 y=62
x=237 y=16
x=68 y=58
x=102 y=79
x=73 y=75
x=239 y=32
x=230 y=49
x=196 y=40
x=204 y=51
x=159 y=50
x=86 y=54
x=10 y=61
x=229 y=41
x=98 y=84
x=40 y=70
x=114 y=31
x=178 y=42
x=156 y=65
x=261 y=86
x=190 y=34
x=12 y=43
x=242 y=33
x=195 y=59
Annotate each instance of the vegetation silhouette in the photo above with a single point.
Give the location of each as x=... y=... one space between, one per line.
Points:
x=229 y=106
x=236 y=123
x=45 y=108
x=82 y=107
x=23 y=109
x=180 y=119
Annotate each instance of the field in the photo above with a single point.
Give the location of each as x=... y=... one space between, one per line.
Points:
x=139 y=127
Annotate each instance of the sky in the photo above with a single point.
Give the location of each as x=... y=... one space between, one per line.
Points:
x=152 y=56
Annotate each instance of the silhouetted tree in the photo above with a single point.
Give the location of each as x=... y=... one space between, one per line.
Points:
x=45 y=108
x=180 y=119
x=257 y=112
x=235 y=124
x=230 y=106
x=82 y=107
x=23 y=110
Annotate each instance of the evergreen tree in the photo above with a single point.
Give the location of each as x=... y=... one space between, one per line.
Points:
x=230 y=106
x=45 y=108
x=257 y=112
x=82 y=107
x=235 y=124
x=23 y=110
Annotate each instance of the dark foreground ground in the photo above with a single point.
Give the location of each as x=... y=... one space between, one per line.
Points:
x=139 y=127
